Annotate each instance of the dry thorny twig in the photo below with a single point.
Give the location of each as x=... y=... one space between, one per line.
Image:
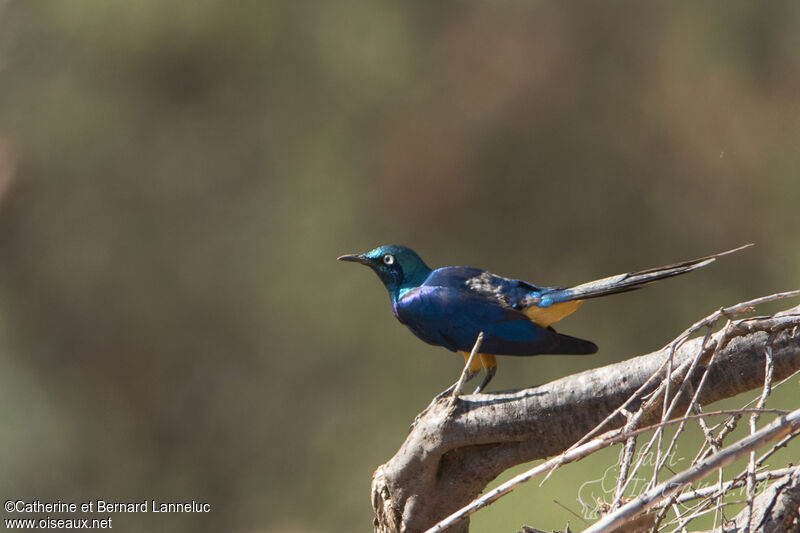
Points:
x=712 y=455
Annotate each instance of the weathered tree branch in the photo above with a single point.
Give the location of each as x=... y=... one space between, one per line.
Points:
x=459 y=445
x=615 y=520
x=776 y=510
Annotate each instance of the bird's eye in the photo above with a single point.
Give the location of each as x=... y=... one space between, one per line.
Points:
x=388 y=259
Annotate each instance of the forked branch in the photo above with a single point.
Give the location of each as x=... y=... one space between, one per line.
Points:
x=459 y=445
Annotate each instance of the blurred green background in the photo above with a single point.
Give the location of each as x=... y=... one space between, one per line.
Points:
x=178 y=179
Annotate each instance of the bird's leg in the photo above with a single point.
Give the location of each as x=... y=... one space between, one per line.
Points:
x=449 y=390
x=471 y=369
x=489 y=362
x=473 y=361
x=469 y=373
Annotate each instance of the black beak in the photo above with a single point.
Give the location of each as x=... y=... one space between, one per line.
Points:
x=355 y=258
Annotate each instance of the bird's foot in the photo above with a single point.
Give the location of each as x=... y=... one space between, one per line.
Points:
x=450 y=394
x=447 y=392
x=490 y=372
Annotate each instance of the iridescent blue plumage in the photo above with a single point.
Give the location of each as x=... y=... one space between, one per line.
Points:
x=450 y=309
x=450 y=306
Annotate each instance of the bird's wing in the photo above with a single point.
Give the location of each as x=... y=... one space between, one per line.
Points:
x=452 y=317
x=505 y=291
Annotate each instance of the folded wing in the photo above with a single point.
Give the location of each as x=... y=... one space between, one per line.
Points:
x=453 y=317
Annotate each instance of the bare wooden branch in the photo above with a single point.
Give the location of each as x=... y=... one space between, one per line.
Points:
x=457 y=447
x=575 y=453
x=459 y=386
x=712 y=490
x=776 y=510
x=775 y=430
x=762 y=400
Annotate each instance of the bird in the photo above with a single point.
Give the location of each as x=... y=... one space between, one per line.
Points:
x=451 y=306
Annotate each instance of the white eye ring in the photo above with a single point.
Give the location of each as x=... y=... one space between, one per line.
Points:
x=388 y=259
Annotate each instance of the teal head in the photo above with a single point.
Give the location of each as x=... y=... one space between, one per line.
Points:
x=399 y=268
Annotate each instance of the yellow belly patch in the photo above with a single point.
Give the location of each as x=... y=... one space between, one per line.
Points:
x=484 y=360
x=546 y=316
x=476 y=363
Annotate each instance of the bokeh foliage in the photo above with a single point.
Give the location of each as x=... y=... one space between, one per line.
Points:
x=178 y=179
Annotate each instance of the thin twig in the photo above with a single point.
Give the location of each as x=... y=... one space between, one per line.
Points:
x=707 y=322
x=699 y=513
x=569 y=456
x=732 y=484
x=692 y=404
x=576 y=515
x=717 y=491
x=751 y=468
x=777 y=429
x=666 y=412
x=777 y=447
x=731 y=423
x=464 y=373
x=649 y=398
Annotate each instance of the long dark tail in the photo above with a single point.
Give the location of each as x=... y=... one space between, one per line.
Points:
x=632 y=280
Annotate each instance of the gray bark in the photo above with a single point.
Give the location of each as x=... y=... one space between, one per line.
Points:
x=776 y=510
x=457 y=447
